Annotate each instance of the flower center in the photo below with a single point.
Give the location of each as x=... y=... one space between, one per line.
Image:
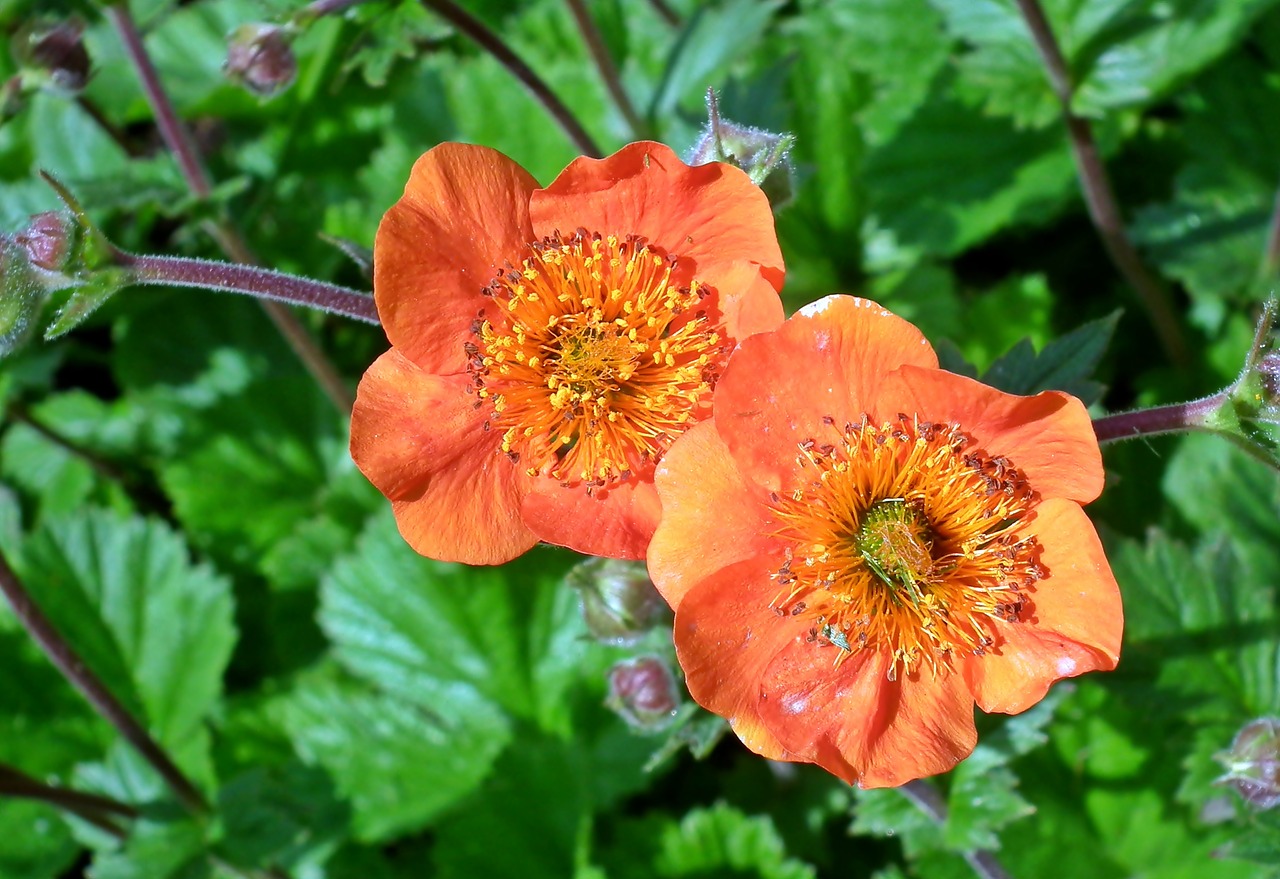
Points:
x=905 y=538
x=596 y=358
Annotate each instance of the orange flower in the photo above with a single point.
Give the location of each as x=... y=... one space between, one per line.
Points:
x=860 y=546
x=548 y=344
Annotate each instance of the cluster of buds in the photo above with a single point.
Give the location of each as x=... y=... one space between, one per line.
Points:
x=1253 y=763
x=622 y=608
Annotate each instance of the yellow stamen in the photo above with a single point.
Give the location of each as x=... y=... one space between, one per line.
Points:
x=596 y=359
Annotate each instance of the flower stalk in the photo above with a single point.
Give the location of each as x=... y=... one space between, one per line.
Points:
x=251 y=280
x=1099 y=195
x=180 y=143
x=97 y=810
x=479 y=32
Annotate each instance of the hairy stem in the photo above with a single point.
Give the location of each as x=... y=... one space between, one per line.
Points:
x=179 y=271
x=1099 y=195
x=73 y=668
x=604 y=63
x=97 y=810
x=926 y=798
x=178 y=139
x=1174 y=418
x=480 y=33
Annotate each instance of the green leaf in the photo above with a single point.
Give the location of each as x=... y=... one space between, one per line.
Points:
x=154 y=627
x=888 y=812
x=540 y=799
x=280 y=817
x=162 y=845
x=1148 y=48
x=34 y=841
x=1215 y=486
x=984 y=795
x=722 y=839
x=712 y=38
x=429 y=631
x=1065 y=364
x=399 y=763
x=952 y=177
x=1221 y=617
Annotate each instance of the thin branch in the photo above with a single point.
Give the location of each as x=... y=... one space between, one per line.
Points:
x=927 y=799
x=175 y=134
x=179 y=141
x=480 y=33
x=669 y=15
x=1099 y=195
x=74 y=669
x=95 y=809
x=180 y=271
x=604 y=63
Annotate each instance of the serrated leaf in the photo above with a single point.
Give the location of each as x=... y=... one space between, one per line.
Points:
x=156 y=628
x=951 y=177
x=723 y=839
x=399 y=763
x=425 y=630
x=1220 y=615
x=888 y=812
x=280 y=817
x=1065 y=364
x=540 y=800
x=984 y=795
x=34 y=841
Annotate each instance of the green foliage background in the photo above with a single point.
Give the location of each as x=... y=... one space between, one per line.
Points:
x=176 y=492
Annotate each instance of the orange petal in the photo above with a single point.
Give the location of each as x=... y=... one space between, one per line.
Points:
x=1049 y=437
x=1073 y=625
x=419 y=441
x=827 y=360
x=726 y=635
x=857 y=724
x=712 y=516
x=707 y=214
x=615 y=524
x=746 y=301
x=464 y=214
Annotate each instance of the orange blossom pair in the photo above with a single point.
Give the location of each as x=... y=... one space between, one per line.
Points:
x=859 y=546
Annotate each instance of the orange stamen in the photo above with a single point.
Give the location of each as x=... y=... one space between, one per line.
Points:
x=595 y=359
x=907 y=539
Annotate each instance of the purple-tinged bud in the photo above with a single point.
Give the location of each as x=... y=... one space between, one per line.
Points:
x=1253 y=763
x=48 y=240
x=619 y=601
x=56 y=50
x=260 y=58
x=644 y=693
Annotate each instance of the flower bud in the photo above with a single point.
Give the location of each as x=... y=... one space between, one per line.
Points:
x=643 y=692
x=48 y=240
x=57 y=52
x=1253 y=763
x=619 y=602
x=260 y=58
x=762 y=154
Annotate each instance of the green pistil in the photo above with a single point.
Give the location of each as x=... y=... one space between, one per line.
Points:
x=894 y=542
